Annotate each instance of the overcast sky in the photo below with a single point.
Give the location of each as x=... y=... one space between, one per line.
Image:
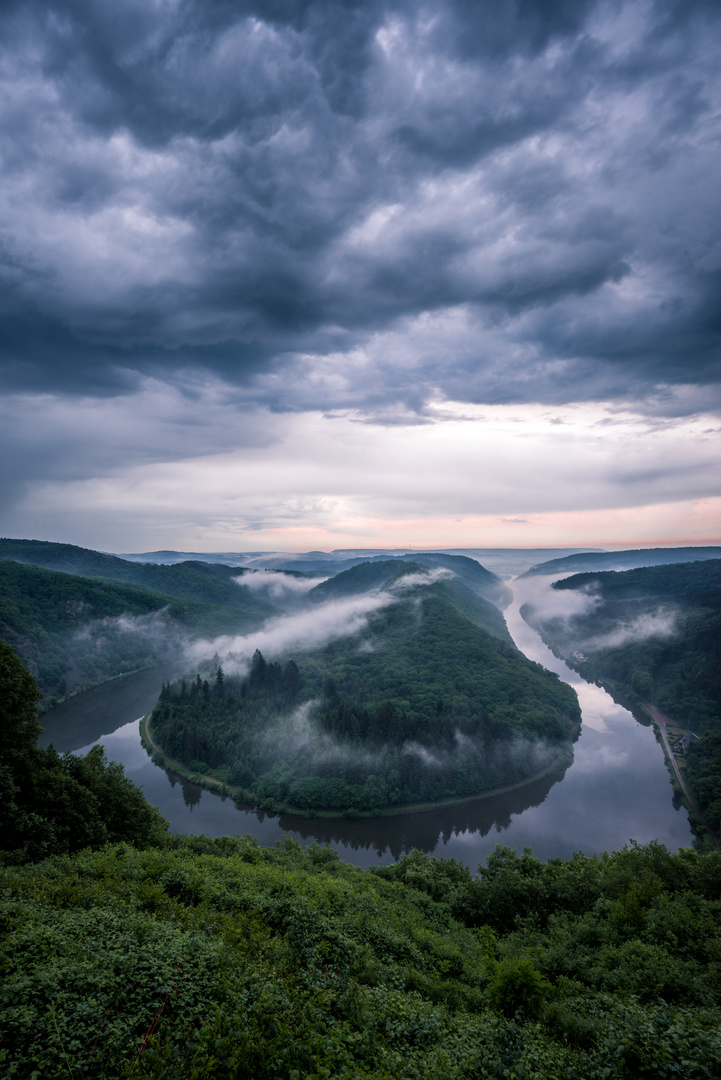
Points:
x=319 y=275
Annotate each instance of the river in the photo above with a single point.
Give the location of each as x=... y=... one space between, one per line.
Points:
x=616 y=789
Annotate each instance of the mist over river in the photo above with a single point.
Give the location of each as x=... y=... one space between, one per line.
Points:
x=616 y=789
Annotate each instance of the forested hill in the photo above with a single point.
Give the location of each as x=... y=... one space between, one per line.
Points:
x=71 y=630
x=621 y=560
x=469 y=571
x=421 y=705
x=390 y=573
x=654 y=634
x=206 y=583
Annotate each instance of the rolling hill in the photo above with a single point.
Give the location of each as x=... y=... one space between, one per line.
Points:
x=622 y=560
x=71 y=631
x=203 y=583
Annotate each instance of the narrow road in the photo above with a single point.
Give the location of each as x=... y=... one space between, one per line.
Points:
x=661 y=721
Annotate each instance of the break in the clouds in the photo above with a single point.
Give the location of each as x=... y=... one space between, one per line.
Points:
x=216 y=215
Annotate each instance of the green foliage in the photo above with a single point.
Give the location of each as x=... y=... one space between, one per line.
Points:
x=425 y=705
x=51 y=804
x=66 y=627
x=221 y=958
x=204 y=583
x=19 y=727
x=518 y=987
x=471 y=589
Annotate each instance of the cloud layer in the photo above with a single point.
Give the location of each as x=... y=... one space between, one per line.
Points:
x=213 y=216
x=247 y=187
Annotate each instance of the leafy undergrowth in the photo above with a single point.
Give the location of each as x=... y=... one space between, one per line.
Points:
x=221 y=958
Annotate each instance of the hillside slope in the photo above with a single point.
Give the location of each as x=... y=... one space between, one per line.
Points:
x=390 y=573
x=129 y=952
x=221 y=958
x=654 y=634
x=621 y=560
x=72 y=630
x=203 y=583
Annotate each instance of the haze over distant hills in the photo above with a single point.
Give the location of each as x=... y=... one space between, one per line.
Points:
x=581 y=562
x=502 y=561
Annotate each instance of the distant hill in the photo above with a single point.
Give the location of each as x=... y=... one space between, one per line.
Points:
x=202 y=583
x=390 y=572
x=71 y=630
x=469 y=571
x=622 y=560
x=507 y=562
x=375 y=573
x=653 y=635
x=361 y=578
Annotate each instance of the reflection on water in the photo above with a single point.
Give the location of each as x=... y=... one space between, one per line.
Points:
x=616 y=789
x=89 y=717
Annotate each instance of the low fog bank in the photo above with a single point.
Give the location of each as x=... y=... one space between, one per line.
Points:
x=661 y=623
x=299 y=731
x=575 y=618
x=309 y=628
x=154 y=626
x=278 y=585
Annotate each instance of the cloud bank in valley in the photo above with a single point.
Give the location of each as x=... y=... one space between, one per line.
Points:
x=300 y=631
x=544 y=603
x=661 y=623
x=310 y=628
x=277 y=584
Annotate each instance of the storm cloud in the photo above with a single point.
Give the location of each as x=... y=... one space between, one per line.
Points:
x=248 y=187
x=359 y=208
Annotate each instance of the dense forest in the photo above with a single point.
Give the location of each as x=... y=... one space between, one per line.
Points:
x=56 y=805
x=368 y=573
x=425 y=704
x=72 y=630
x=129 y=952
x=199 y=582
x=654 y=635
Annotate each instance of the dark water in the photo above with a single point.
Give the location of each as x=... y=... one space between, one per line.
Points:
x=616 y=789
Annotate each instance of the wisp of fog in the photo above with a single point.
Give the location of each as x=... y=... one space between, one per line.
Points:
x=277 y=584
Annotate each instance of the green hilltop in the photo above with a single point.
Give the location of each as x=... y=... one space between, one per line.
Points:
x=204 y=583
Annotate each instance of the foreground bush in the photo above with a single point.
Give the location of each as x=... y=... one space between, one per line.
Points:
x=221 y=958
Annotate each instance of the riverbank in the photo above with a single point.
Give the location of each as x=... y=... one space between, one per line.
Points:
x=650 y=716
x=661 y=723
x=560 y=762
x=49 y=703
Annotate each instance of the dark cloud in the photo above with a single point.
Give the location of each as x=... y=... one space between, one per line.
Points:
x=264 y=188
